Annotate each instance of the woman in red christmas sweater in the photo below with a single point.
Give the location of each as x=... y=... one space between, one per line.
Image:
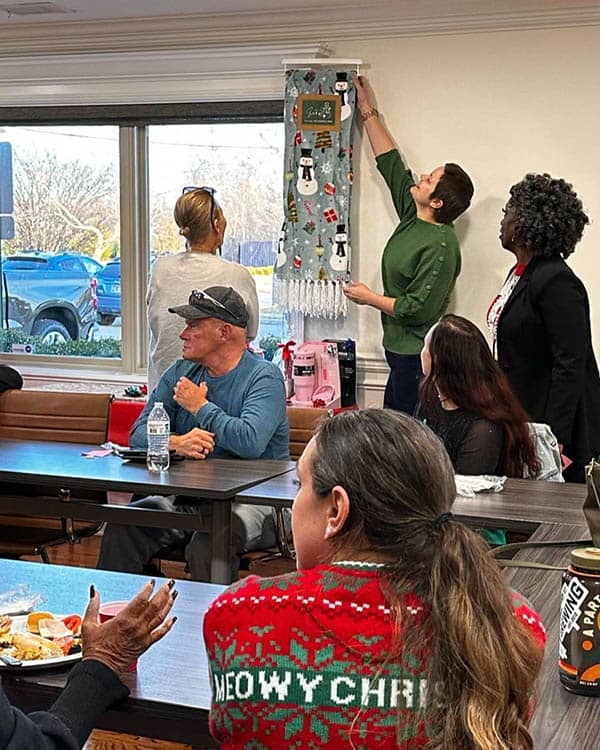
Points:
x=397 y=630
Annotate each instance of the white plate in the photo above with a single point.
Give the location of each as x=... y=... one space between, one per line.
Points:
x=20 y=625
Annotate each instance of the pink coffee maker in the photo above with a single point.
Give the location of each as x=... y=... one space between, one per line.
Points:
x=316 y=375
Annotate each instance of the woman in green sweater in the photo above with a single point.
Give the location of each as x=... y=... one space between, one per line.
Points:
x=421 y=260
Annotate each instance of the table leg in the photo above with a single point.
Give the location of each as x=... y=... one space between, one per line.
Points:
x=220 y=540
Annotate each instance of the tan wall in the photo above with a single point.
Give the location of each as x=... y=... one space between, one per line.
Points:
x=500 y=104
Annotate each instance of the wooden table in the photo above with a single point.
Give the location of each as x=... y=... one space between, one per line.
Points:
x=521 y=506
x=170 y=692
x=52 y=465
x=562 y=721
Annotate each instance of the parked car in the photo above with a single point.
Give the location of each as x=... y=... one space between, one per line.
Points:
x=50 y=296
x=91 y=265
x=108 y=290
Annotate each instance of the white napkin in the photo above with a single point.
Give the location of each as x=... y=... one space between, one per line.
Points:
x=467 y=486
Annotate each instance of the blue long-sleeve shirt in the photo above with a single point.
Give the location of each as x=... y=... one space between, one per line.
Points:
x=246 y=409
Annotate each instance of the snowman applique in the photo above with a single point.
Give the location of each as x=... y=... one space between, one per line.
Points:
x=339 y=255
x=281 y=256
x=341 y=88
x=306 y=183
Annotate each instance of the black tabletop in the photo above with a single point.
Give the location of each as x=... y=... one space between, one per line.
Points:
x=522 y=505
x=49 y=464
x=170 y=692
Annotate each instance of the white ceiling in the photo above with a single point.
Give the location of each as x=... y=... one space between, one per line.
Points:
x=313 y=10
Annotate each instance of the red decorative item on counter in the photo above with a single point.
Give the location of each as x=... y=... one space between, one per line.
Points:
x=287 y=358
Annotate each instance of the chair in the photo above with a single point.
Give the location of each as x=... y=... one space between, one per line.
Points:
x=52 y=416
x=123 y=414
x=547 y=452
x=282 y=559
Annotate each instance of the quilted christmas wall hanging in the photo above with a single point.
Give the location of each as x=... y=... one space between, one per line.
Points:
x=313 y=256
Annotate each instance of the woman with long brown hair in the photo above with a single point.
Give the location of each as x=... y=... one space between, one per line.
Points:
x=467 y=401
x=397 y=630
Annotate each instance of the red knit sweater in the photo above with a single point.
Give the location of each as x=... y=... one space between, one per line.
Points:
x=299 y=662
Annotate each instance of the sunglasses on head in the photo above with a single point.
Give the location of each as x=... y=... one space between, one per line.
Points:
x=198 y=295
x=210 y=190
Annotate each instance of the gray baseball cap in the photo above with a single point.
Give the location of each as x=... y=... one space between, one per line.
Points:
x=221 y=302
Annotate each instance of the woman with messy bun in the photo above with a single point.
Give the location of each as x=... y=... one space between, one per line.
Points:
x=202 y=224
x=540 y=320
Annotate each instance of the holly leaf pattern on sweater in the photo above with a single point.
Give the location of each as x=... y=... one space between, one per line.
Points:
x=330 y=580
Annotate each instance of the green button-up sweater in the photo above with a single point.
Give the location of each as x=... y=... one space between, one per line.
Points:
x=420 y=264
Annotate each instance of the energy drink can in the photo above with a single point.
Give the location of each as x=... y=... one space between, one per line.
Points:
x=579 y=636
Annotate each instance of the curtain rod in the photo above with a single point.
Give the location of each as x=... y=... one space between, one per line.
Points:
x=314 y=62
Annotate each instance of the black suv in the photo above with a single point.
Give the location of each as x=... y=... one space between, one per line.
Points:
x=50 y=296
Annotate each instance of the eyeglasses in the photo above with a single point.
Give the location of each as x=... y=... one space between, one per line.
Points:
x=198 y=295
x=210 y=190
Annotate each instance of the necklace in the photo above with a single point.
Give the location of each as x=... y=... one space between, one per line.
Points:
x=359 y=563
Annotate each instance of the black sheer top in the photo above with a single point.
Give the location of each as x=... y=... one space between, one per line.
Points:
x=474 y=444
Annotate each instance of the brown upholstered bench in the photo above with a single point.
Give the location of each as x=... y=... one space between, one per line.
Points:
x=69 y=417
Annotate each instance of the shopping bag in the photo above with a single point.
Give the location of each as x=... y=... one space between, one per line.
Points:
x=591 y=505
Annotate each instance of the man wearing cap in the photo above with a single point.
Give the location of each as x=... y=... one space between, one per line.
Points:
x=223 y=402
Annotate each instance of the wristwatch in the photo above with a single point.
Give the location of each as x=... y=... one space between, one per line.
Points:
x=368 y=113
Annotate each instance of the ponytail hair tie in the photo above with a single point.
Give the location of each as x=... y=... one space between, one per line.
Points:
x=442 y=519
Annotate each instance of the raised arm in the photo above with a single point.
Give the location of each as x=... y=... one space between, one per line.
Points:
x=380 y=140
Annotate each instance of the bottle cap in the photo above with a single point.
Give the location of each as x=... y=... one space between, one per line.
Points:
x=586 y=557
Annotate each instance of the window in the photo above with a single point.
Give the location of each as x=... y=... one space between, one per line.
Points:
x=243 y=162
x=66 y=212
x=75 y=273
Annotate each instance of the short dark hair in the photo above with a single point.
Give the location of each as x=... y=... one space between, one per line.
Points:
x=549 y=216
x=455 y=189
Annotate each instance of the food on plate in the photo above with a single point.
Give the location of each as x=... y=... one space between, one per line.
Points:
x=67 y=645
x=53 y=629
x=34 y=618
x=39 y=636
x=5 y=624
x=27 y=646
x=73 y=622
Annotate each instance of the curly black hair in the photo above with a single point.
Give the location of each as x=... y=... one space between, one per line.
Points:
x=549 y=215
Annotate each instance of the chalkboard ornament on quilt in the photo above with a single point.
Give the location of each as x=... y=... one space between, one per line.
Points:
x=319 y=112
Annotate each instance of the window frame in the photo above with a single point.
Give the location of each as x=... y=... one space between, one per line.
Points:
x=134 y=210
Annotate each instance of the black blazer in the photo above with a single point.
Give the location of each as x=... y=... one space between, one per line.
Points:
x=545 y=348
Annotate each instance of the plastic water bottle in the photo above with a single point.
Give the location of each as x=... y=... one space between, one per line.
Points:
x=158 y=426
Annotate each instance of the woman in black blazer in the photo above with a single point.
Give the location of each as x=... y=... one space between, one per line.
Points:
x=540 y=320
